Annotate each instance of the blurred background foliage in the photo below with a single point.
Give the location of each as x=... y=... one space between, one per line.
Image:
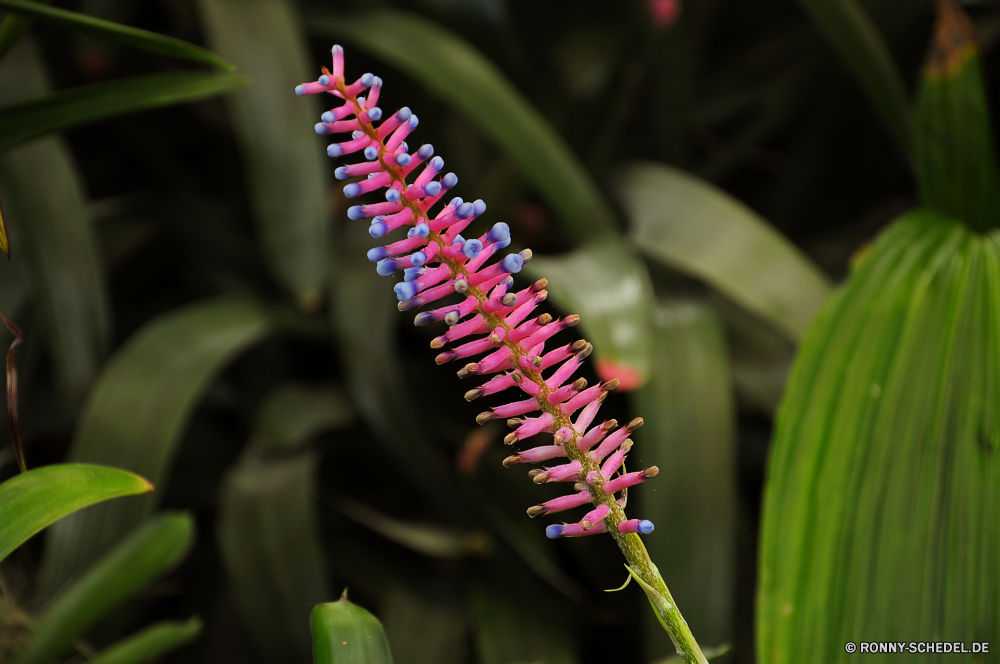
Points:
x=197 y=308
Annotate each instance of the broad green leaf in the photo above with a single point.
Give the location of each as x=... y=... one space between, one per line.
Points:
x=138 y=410
x=425 y=538
x=880 y=507
x=407 y=616
x=269 y=540
x=141 y=39
x=609 y=287
x=45 y=204
x=344 y=633
x=454 y=70
x=291 y=414
x=149 y=643
x=853 y=35
x=69 y=108
x=146 y=554
x=12 y=29
x=516 y=623
x=700 y=230
x=689 y=433
x=953 y=142
x=286 y=169
x=38 y=498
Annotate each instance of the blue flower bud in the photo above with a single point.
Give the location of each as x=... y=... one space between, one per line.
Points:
x=334 y=150
x=421 y=230
x=425 y=151
x=471 y=248
x=392 y=195
x=323 y=80
x=512 y=263
x=371 y=153
x=449 y=181
x=366 y=80
x=499 y=232
x=458 y=240
x=414 y=121
x=378 y=228
x=328 y=116
x=419 y=258
x=386 y=267
x=411 y=273
x=404 y=114
x=464 y=211
x=455 y=202
x=479 y=207
x=554 y=531
x=403 y=159
x=503 y=244
x=437 y=163
x=375 y=254
x=352 y=190
x=405 y=290
x=361 y=100
x=375 y=113
x=404 y=147
x=645 y=527
x=341 y=173
x=300 y=90
x=377 y=83
x=432 y=188
x=357 y=133
x=321 y=129
x=356 y=212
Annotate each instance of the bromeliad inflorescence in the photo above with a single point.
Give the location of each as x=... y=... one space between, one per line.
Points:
x=436 y=262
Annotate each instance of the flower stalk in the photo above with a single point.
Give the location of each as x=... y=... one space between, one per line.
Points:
x=437 y=262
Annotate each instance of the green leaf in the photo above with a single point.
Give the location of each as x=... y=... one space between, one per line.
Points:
x=144 y=555
x=700 y=230
x=12 y=29
x=150 y=642
x=454 y=70
x=407 y=615
x=609 y=287
x=881 y=502
x=689 y=432
x=291 y=414
x=269 y=540
x=344 y=633
x=45 y=204
x=428 y=539
x=853 y=35
x=141 y=39
x=138 y=410
x=953 y=143
x=286 y=169
x=69 y=108
x=38 y=498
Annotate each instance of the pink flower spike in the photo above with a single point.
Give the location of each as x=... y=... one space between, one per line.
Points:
x=562 y=394
x=492 y=386
x=338 y=62
x=533 y=426
x=550 y=330
x=585 y=397
x=614 y=440
x=466 y=350
x=495 y=361
x=594 y=516
x=515 y=409
x=630 y=479
x=536 y=454
x=563 y=373
x=563 y=473
x=596 y=434
x=561 y=504
x=574 y=530
x=525 y=330
x=476 y=325
x=616 y=460
x=642 y=527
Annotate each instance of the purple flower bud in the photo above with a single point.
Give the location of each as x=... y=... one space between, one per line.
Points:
x=334 y=150
x=375 y=254
x=421 y=230
x=499 y=232
x=328 y=117
x=458 y=240
x=403 y=159
x=367 y=79
x=378 y=228
x=512 y=263
x=432 y=188
x=356 y=212
x=341 y=173
x=405 y=290
x=449 y=181
x=464 y=211
x=411 y=273
x=479 y=207
x=386 y=267
x=392 y=195
x=323 y=80
x=437 y=163
x=455 y=202
x=471 y=248
x=352 y=190
x=554 y=531
x=371 y=153
x=321 y=129
x=375 y=113
x=425 y=151
x=404 y=114
x=419 y=258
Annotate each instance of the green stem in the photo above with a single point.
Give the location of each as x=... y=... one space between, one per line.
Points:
x=640 y=566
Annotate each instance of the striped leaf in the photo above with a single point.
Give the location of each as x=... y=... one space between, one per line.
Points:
x=953 y=143
x=883 y=491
